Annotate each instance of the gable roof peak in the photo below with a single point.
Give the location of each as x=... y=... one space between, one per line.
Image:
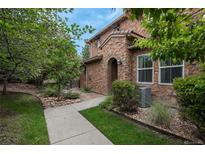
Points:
x=106 y=28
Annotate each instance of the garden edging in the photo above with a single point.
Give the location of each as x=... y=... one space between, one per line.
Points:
x=155 y=128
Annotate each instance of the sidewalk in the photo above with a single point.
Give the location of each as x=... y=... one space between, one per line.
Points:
x=67 y=126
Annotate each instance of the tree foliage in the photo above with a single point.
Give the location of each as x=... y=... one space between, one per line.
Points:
x=191 y=98
x=175 y=33
x=28 y=38
x=85 y=52
x=64 y=63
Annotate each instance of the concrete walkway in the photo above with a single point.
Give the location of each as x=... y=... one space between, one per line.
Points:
x=67 y=126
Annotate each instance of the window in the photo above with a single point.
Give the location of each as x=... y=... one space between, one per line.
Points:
x=116 y=28
x=144 y=69
x=170 y=70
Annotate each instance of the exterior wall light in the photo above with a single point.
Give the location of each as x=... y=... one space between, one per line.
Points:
x=119 y=62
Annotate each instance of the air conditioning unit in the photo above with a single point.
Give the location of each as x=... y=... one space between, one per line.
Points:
x=145 y=96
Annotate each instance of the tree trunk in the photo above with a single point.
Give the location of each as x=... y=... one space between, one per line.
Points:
x=59 y=91
x=4 y=87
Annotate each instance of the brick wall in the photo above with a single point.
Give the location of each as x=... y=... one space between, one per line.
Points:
x=164 y=92
x=97 y=72
x=116 y=47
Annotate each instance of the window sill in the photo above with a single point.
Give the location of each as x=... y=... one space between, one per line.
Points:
x=148 y=83
x=165 y=84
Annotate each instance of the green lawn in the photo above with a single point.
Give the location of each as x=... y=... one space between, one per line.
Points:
x=22 y=120
x=121 y=131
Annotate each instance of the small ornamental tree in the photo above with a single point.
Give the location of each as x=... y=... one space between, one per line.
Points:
x=64 y=65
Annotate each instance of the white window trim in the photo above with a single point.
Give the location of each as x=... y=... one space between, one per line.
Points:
x=173 y=66
x=145 y=69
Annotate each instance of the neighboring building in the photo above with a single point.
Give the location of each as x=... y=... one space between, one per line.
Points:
x=112 y=57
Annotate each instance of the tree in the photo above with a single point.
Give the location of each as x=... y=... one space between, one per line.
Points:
x=65 y=63
x=28 y=37
x=175 y=33
x=85 y=52
x=19 y=41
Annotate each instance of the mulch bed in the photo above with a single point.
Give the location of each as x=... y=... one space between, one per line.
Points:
x=178 y=126
x=53 y=102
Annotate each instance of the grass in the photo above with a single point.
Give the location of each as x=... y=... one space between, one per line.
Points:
x=121 y=131
x=86 y=89
x=22 y=120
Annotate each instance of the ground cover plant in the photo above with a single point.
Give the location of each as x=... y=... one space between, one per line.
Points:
x=107 y=103
x=71 y=95
x=85 y=89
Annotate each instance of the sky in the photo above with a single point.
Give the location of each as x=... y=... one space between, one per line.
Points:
x=98 y=18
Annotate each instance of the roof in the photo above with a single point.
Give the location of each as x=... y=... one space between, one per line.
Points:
x=118 y=33
x=93 y=59
x=106 y=28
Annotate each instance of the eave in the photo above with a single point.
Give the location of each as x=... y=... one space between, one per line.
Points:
x=126 y=33
x=93 y=59
x=106 y=28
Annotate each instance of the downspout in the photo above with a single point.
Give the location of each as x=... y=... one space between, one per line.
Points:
x=86 y=77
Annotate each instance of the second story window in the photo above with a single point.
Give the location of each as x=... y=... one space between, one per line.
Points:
x=116 y=28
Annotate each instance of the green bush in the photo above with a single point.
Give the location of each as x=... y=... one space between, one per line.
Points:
x=190 y=93
x=160 y=114
x=71 y=95
x=49 y=91
x=125 y=95
x=107 y=103
x=85 y=89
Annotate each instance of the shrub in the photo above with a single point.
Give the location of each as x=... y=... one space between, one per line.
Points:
x=71 y=95
x=49 y=91
x=160 y=114
x=85 y=89
x=190 y=93
x=125 y=95
x=107 y=103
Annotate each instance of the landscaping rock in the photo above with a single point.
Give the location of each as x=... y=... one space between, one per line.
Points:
x=50 y=101
x=178 y=126
x=53 y=101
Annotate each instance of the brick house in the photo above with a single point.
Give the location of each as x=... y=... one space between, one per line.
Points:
x=112 y=57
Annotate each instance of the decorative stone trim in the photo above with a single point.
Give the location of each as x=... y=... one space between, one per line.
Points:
x=120 y=34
